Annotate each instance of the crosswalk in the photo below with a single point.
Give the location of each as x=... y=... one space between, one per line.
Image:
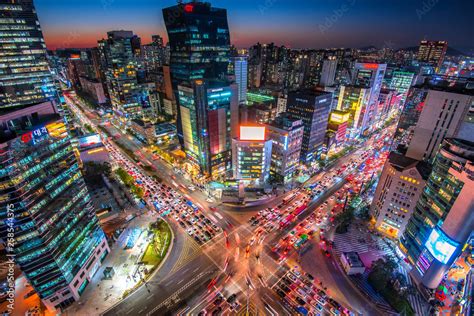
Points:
x=355 y=241
x=349 y=242
x=419 y=305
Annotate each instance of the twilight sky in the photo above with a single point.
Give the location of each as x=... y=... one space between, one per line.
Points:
x=294 y=23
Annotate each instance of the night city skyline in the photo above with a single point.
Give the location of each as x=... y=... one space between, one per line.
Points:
x=309 y=24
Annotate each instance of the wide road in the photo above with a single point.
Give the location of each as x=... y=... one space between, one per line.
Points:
x=181 y=283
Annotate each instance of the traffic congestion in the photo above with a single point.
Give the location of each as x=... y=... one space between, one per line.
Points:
x=304 y=295
x=276 y=233
x=168 y=202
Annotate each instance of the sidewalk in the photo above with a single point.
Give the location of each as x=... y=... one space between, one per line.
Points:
x=371 y=246
x=102 y=294
x=24 y=304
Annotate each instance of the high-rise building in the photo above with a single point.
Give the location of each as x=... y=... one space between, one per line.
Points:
x=44 y=202
x=254 y=75
x=240 y=72
x=121 y=52
x=199 y=58
x=370 y=76
x=206 y=110
x=446 y=111
x=328 y=72
x=312 y=107
x=286 y=133
x=399 y=188
x=387 y=106
x=25 y=77
x=354 y=99
x=432 y=52
x=199 y=43
x=251 y=155
x=443 y=219
x=153 y=54
x=337 y=123
x=409 y=115
x=401 y=82
x=59 y=244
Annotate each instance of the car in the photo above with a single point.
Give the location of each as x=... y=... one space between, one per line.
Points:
x=231 y=298
x=218 y=301
x=286 y=281
x=217 y=311
x=300 y=300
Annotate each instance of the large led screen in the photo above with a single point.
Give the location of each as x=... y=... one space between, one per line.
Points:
x=440 y=245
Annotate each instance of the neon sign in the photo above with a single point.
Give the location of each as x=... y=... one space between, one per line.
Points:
x=188 y=8
x=371 y=66
x=36 y=135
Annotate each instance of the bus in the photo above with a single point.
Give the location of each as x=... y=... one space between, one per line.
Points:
x=287 y=220
x=299 y=209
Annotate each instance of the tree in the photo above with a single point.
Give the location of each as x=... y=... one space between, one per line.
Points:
x=383 y=279
x=138 y=191
x=343 y=220
x=127 y=179
x=364 y=213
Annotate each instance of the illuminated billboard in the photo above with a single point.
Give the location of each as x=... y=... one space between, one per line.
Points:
x=440 y=245
x=89 y=140
x=339 y=117
x=252 y=133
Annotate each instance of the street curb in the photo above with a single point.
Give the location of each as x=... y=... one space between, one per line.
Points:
x=151 y=275
x=354 y=286
x=252 y=203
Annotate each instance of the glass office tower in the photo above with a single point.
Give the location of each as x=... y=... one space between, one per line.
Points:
x=199 y=58
x=45 y=204
x=199 y=43
x=206 y=111
x=443 y=218
x=312 y=107
x=24 y=74
x=47 y=221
